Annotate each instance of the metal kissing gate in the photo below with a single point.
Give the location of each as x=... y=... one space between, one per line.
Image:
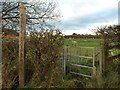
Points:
x=80 y=61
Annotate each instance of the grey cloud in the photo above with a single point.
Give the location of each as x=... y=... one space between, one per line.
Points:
x=85 y=21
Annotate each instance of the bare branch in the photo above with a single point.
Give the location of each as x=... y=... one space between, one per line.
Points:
x=37 y=14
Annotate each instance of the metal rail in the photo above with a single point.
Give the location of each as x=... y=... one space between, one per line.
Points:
x=81 y=66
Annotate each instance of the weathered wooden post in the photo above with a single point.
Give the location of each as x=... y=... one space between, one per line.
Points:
x=22 y=24
x=65 y=57
x=104 y=52
x=100 y=61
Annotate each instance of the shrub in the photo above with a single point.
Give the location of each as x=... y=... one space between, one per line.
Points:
x=42 y=59
x=10 y=62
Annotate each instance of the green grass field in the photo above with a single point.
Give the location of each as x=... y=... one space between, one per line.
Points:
x=89 y=42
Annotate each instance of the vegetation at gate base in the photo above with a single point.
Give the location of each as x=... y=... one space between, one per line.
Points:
x=110 y=80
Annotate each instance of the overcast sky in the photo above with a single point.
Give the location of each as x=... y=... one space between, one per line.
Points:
x=80 y=16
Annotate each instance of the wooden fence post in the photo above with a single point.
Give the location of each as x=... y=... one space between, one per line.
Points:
x=105 y=50
x=65 y=57
x=103 y=53
x=22 y=24
x=100 y=61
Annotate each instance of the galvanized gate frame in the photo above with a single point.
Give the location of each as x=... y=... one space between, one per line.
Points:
x=65 y=54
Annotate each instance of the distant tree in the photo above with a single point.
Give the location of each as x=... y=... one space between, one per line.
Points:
x=74 y=34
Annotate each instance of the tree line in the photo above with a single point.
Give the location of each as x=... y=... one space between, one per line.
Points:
x=74 y=35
